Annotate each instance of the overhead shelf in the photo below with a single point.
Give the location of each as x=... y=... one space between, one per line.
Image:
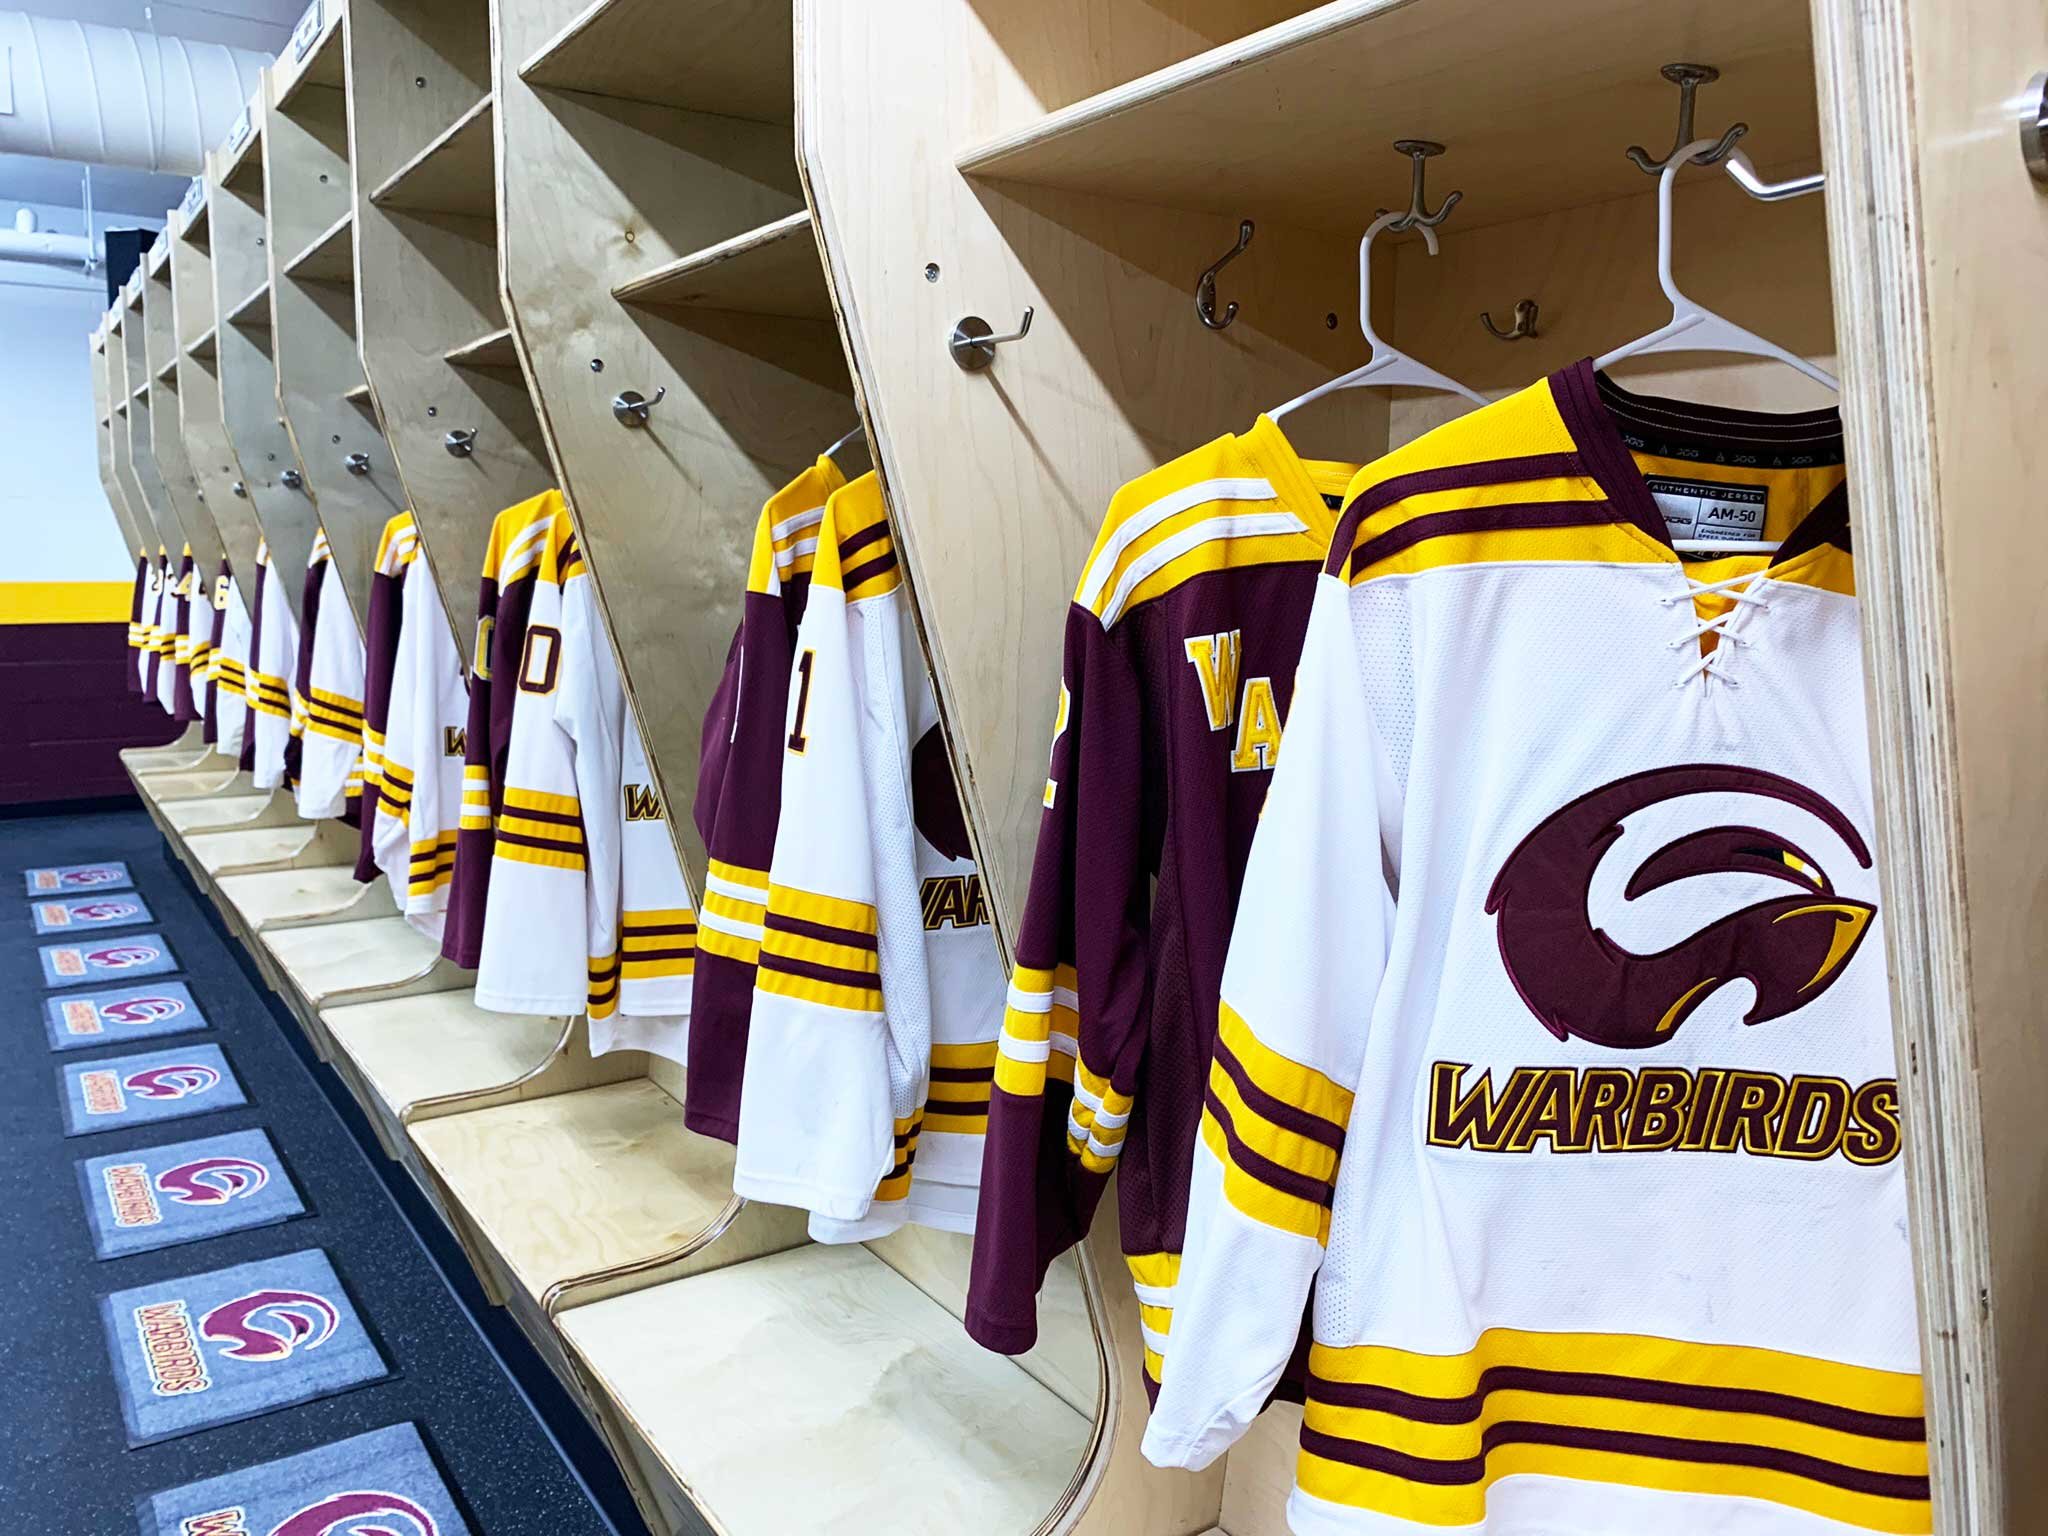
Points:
x=456 y=173
x=253 y=313
x=494 y=349
x=325 y=68
x=244 y=171
x=732 y=57
x=1295 y=123
x=138 y=392
x=359 y=396
x=331 y=258
x=773 y=270
x=121 y=410
x=195 y=232
x=204 y=344
x=167 y=372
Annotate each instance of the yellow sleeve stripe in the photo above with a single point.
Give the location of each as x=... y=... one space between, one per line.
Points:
x=537 y=800
x=827 y=911
x=1308 y=1155
x=818 y=951
x=547 y=858
x=1291 y=1082
x=651 y=970
x=980 y=1056
x=770 y=977
x=1263 y=1202
x=1040 y=1026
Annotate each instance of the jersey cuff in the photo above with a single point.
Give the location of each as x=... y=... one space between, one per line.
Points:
x=1190 y=1452
x=1003 y=1337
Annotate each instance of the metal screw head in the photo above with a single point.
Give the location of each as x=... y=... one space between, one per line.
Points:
x=931 y=271
x=241 y=490
x=1330 y=321
x=420 y=81
x=597 y=365
x=433 y=410
x=335 y=438
x=1690 y=74
x=461 y=442
x=292 y=480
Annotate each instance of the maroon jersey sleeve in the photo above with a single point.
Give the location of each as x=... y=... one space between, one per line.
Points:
x=462 y=939
x=136 y=633
x=1073 y=1033
x=380 y=662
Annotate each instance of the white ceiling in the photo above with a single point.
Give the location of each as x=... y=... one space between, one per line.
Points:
x=264 y=25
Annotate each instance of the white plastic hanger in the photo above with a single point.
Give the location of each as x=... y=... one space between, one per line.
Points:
x=1386 y=365
x=1693 y=327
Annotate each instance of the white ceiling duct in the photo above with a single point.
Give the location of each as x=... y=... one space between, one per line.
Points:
x=72 y=90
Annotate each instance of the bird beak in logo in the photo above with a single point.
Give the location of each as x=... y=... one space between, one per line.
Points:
x=174 y=1082
x=212 y=1180
x=1579 y=982
x=142 y=1010
x=351 y=1514
x=270 y=1325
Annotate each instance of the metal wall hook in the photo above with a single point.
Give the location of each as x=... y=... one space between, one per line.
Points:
x=2033 y=122
x=631 y=407
x=1688 y=78
x=1525 y=323
x=242 y=490
x=292 y=480
x=1419 y=151
x=357 y=463
x=1205 y=285
x=973 y=345
x=460 y=442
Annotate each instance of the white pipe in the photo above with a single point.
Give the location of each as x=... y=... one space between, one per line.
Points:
x=49 y=249
x=112 y=96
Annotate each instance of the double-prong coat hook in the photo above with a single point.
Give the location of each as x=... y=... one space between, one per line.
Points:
x=1688 y=78
x=973 y=345
x=1419 y=151
x=1205 y=286
x=1524 y=327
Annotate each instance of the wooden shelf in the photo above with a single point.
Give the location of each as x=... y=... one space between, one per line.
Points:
x=138 y=392
x=413 y=1048
x=494 y=349
x=359 y=396
x=772 y=270
x=285 y=895
x=331 y=258
x=120 y=410
x=168 y=371
x=195 y=232
x=324 y=68
x=253 y=313
x=343 y=957
x=244 y=173
x=732 y=57
x=1536 y=103
x=204 y=344
x=456 y=173
x=863 y=1370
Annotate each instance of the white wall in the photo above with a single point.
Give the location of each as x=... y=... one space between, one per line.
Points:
x=54 y=520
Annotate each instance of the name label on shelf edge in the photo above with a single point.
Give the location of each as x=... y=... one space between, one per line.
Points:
x=238 y=135
x=195 y=195
x=307 y=33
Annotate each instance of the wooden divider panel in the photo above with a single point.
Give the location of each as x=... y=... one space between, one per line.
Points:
x=243 y=346
x=167 y=413
x=131 y=525
x=310 y=201
x=140 y=462
x=211 y=455
x=429 y=316
x=618 y=162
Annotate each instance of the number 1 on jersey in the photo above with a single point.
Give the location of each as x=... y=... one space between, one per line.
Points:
x=797 y=740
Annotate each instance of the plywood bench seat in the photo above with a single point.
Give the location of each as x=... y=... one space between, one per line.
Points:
x=341 y=957
x=817 y=1389
x=577 y=1182
x=411 y=1048
x=217 y=812
x=224 y=853
x=190 y=783
x=281 y=895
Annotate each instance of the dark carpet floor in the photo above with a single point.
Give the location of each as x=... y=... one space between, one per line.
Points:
x=519 y=1461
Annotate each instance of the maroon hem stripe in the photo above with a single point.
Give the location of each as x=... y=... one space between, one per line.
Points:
x=1262 y=1168
x=1472 y=1469
x=1527 y=514
x=956 y=1106
x=852 y=938
x=862 y=539
x=963 y=1074
x=641 y=956
x=1449 y=477
x=881 y=565
x=865 y=981
x=599 y=999
x=1291 y=1117
x=556 y=817
x=547 y=844
x=1633 y=1389
x=654 y=930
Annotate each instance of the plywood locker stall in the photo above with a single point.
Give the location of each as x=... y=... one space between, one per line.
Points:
x=166 y=414
x=133 y=533
x=244 y=342
x=309 y=204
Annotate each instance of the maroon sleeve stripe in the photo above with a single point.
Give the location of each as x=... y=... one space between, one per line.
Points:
x=860 y=539
x=643 y=956
x=1519 y=515
x=545 y=844
x=863 y=981
x=852 y=938
x=964 y=1074
x=1289 y=1117
x=1264 y=1169
x=649 y=930
x=881 y=565
x=556 y=818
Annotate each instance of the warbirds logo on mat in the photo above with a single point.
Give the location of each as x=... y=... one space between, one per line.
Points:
x=67 y=914
x=141 y=1089
x=133 y=1013
x=136 y=1201
x=107 y=959
x=384 y=1482
x=234 y=1343
x=107 y=875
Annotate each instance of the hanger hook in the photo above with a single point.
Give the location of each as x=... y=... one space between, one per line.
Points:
x=1419 y=151
x=1525 y=323
x=1688 y=78
x=1205 y=285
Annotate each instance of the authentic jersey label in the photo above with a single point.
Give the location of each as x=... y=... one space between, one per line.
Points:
x=1706 y=509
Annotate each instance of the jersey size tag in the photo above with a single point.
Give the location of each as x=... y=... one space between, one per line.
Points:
x=1706 y=509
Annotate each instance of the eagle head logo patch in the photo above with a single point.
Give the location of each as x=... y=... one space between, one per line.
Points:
x=1579 y=982
x=271 y=1325
x=212 y=1180
x=360 y=1514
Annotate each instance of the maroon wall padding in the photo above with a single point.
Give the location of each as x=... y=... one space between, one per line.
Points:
x=66 y=712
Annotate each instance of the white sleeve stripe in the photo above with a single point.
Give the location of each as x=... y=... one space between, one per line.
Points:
x=806 y=519
x=1143 y=521
x=1029 y=1002
x=1156 y=1342
x=788 y=557
x=1108 y=1122
x=1154 y=1295
x=1066 y=1045
x=706 y=918
x=757 y=894
x=1241 y=526
x=1009 y=1045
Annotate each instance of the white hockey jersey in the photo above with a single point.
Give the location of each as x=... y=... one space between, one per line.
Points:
x=879 y=989
x=170 y=633
x=587 y=910
x=148 y=657
x=227 y=672
x=274 y=643
x=328 y=701
x=1589 y=1138
x=415 y=763
x=194 y=647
